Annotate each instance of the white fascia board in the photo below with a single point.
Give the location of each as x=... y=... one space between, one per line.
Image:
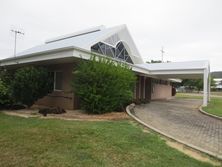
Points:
x=133 y=42
x=49 y=55
x=67 y=52
x=196 y=71
x=140 y=70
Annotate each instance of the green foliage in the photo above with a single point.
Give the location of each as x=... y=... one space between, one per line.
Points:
x=196 y=83
x=5 y=80
x=30 y=84
x=212 y=81
x=193 y=83
x=103 y=85
x=4 y=100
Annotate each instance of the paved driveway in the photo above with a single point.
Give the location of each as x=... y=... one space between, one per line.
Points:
x=181 y=119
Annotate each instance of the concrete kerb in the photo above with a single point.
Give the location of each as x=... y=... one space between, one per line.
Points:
x=130 y=108
x=208 y=114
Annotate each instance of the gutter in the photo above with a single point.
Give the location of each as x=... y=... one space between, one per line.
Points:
x=64 y=49
x=33 y=54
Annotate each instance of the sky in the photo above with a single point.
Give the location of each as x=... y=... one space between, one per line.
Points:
x=187 y=29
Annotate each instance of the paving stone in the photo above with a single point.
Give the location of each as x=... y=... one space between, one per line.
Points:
x=180 y=118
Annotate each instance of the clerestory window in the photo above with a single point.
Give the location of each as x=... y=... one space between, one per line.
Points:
x=118 y=52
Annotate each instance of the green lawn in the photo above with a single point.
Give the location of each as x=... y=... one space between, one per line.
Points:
x=38 y=142
x=214 y=107
x=188 y=96
x=217 y=93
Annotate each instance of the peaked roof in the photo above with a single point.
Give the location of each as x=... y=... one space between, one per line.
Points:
x=87 y=38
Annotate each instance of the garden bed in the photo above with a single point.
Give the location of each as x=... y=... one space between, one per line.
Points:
x=69 y=115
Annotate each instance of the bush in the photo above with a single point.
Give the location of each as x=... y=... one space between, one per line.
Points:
x=4 y=96
x=30 y=84
x=103 y=85
x=5 y=80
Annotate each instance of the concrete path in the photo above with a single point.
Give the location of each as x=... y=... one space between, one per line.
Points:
x=181 y=119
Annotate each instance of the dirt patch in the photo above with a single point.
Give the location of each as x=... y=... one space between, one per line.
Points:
x=69 y=115
x=192 y=153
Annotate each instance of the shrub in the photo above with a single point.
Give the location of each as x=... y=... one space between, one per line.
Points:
x=4 y=96
x=5 y=80
x=103 y=85
x=30 y=84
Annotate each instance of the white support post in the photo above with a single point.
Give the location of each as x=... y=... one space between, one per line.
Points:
x=209 y=86
x=144 y=87
x=205 y=87
x=209 y=79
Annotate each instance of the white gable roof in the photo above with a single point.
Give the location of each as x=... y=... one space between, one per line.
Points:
x=87 y=38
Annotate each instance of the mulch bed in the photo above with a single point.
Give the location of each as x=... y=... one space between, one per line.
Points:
x=69 y=115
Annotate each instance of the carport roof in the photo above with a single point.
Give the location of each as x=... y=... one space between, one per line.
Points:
x=182 y=70
x=187 y=65
x=177 y=70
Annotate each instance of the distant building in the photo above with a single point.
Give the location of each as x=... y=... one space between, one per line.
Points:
x=218 y=80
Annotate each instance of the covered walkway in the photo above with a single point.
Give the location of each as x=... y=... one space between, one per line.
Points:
x=181 y=70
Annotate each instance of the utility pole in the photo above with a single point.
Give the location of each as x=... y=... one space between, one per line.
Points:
x=16 y=32
x=162 y=52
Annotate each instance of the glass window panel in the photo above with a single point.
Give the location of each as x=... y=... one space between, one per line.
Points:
x=58 y=80
x=119 y=52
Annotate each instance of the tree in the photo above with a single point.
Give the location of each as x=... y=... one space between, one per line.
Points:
x=212 y=81
x=103 y=85
x=193 y=83
x=196 y=83
x=30 y=84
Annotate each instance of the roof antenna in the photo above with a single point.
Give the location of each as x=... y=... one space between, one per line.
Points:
x=162 y=52
x=16 y=32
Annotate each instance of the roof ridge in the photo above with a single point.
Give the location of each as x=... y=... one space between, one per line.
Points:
x=78 y=33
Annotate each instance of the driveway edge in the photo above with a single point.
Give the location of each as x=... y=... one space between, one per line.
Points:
x=131 y=107
x=208 y=114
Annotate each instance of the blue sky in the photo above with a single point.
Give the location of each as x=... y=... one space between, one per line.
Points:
x=188 y=29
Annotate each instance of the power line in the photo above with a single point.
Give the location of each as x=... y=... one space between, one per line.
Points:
x=162 y=52
x=16 y=32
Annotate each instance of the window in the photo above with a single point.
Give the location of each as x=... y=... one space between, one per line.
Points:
x=58 y=77
x=118 y=52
